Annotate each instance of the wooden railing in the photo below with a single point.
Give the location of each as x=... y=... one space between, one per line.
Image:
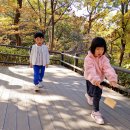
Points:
x=70 y=61
x=17 y=59
x=75 y=61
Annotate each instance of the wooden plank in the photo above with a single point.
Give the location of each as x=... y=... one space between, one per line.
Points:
x=52 y=113
x=11 y=115
x=22 y=115
x=42 y=107
x=33 y=116
x=3 y=107
x=10 y=120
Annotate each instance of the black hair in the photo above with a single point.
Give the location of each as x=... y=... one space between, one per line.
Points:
x=98 y=42
x=39 y=34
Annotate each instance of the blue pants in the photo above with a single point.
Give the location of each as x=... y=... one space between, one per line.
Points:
x=38 y=73
x=95 y=92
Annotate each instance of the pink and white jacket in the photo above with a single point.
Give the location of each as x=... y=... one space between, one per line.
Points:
x=98 y=68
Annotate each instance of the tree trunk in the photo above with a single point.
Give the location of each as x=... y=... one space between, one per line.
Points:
x=52 y=26
x=39 y=9
x=16 y=22
x=124 y=9
x=45 y=12
x=89 y=23
x=122 y=51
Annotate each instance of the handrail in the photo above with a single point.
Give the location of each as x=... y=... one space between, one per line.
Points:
x=115 y=67
x=3 y=53
x=72 y=65
x=121 y=69
x=5 y=57
x=14 y=46
x=72 y=56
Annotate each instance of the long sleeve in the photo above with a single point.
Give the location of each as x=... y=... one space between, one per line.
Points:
x=47 y=56
x=109 y=72
x=90 y=71
x=31 y=55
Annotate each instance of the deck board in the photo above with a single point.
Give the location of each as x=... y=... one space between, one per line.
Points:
x=22 y=114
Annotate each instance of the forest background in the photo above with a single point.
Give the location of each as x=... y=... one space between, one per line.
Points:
x=64 y=30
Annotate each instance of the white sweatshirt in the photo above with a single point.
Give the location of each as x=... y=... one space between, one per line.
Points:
x=39 y=55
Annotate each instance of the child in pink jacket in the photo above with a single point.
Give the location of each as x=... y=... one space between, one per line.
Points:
x=96 y=69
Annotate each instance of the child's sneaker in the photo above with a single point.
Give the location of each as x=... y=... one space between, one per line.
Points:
x=41 y=85
x=89 y=99
x=97 y=117
x=37 y=88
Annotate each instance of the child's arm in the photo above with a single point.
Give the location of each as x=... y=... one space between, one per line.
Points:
x=47 y=56
x=90 y=72
x=30 y=59
x=109 y=72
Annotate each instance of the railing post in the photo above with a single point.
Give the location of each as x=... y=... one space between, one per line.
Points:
x=62 y=57
x=76 y=61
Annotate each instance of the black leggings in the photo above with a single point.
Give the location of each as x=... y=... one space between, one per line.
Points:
x=95 y=92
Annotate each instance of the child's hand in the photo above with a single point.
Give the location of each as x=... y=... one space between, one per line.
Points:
x=30 y=65
x=113 y=84
x=96 y=83
x=46 y=65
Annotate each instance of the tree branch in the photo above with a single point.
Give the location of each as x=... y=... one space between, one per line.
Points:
x=64 y=12
x=32 y=7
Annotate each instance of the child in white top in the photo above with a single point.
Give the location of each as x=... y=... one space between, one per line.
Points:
x=39 y=58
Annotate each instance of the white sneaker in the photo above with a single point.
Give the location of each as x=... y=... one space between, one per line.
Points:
x=89 y=99
x=97 y=117
x=37 y=87
x=41 y=85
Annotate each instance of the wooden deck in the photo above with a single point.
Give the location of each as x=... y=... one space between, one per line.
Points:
x=61 y=105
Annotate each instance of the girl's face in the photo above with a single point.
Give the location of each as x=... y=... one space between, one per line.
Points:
x=99 y=51
x=39 y=41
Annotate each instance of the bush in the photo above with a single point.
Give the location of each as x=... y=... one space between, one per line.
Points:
x=124 y=79
x=7 y=57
